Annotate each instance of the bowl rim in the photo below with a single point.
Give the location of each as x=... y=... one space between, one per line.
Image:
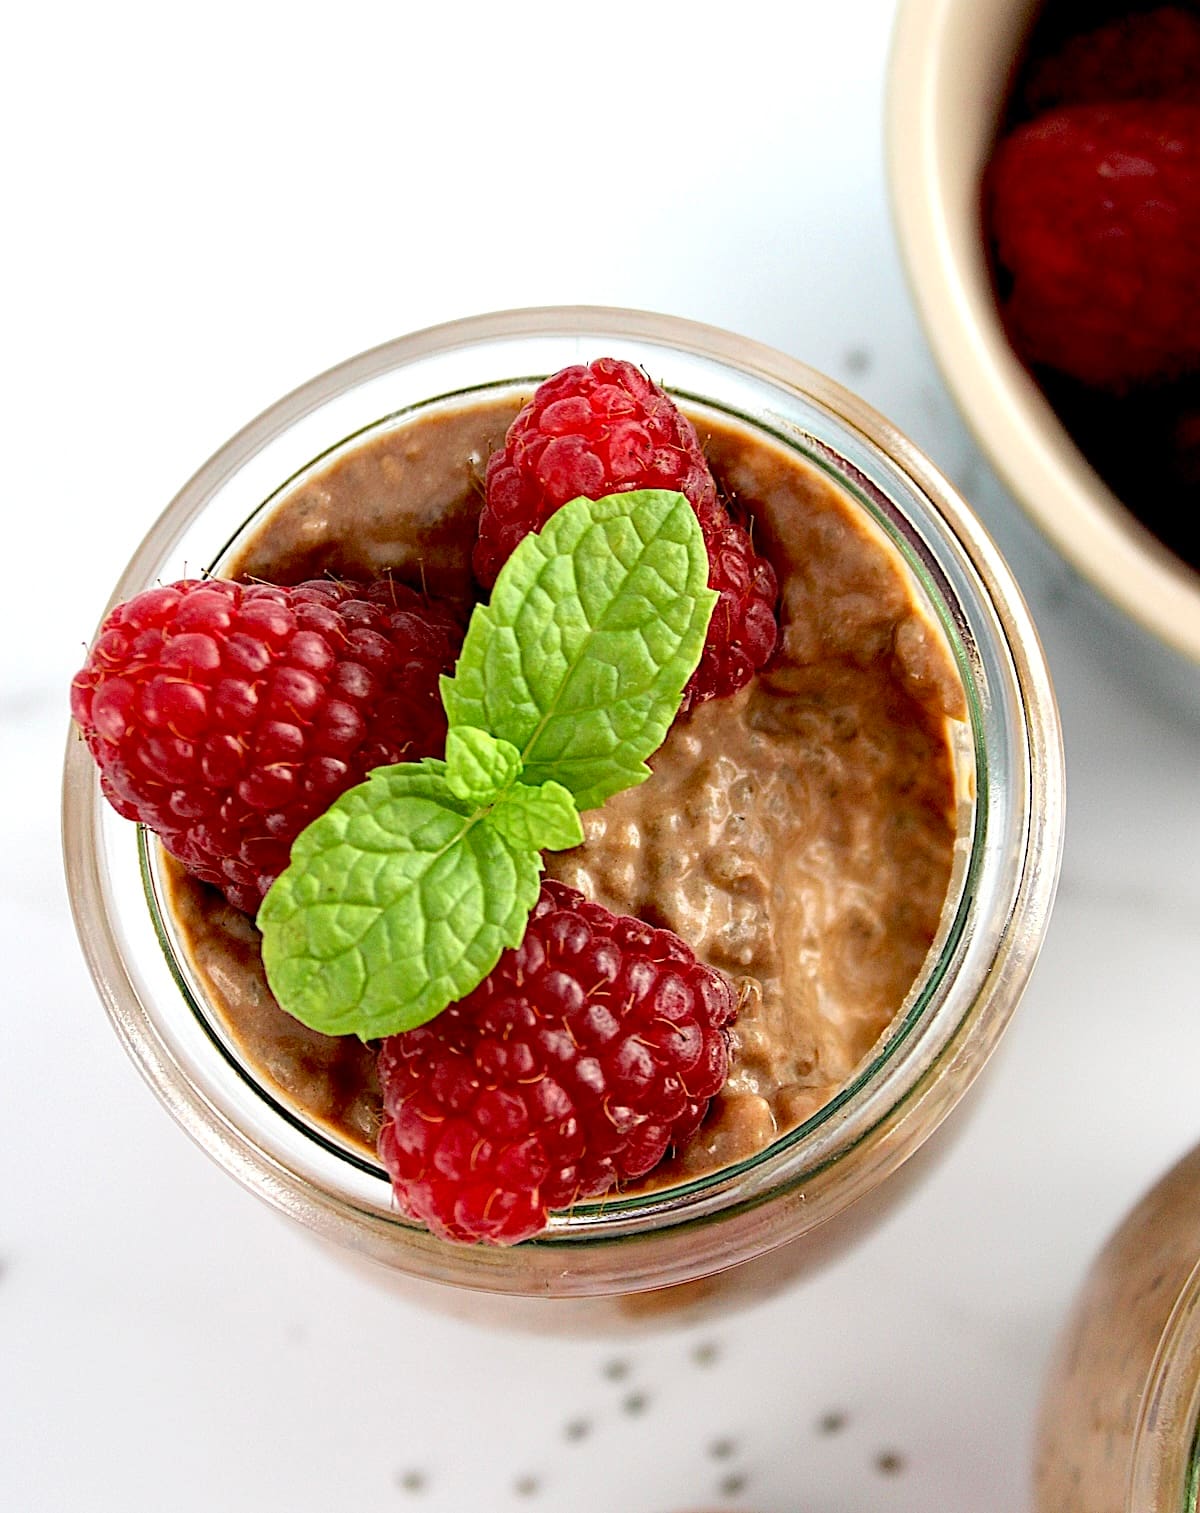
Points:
x=1003 y=407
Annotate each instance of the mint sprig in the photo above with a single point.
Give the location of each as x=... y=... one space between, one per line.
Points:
x=401 y=897
x=594 y=627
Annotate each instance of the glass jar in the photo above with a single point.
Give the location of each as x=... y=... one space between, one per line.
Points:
x=1119 y=1427
x=993 y=922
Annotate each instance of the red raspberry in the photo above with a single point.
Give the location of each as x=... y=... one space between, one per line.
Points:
x=606 y=429
x=743 y=629
x=1145 y=56
x=1096 y=214
x=589 y=1051
x=227 y=716
x=587 y=432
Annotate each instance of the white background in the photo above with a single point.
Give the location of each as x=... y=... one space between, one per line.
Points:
x=203 y=207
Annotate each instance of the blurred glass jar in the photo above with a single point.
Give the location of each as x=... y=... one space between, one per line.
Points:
x=1120 y=1413
x=799 y=1192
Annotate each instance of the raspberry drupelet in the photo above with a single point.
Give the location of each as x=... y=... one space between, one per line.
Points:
x=227 y=716
x=589 y=1052
x=607 y=429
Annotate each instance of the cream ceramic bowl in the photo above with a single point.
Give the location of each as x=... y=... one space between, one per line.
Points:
x=950 y=69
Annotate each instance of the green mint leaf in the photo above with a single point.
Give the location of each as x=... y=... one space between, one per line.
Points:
x=398 y=901
x=595 y=624
x=478 y=766
x=538 y=819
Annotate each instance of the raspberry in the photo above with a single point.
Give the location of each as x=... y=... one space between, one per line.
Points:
x=606 y=429
x=227 y=716
x=743 y=630
x=1095 y=211
x=1145 y=56
x=590 y=1051
x=587 y=432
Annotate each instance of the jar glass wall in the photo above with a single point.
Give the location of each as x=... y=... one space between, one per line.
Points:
x=1120 y=1414
x=993 y=923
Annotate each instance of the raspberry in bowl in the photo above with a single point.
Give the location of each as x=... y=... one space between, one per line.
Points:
x=751 y=985
x=1044 y=186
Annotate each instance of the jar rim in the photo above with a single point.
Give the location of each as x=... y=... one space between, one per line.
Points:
x=967 y=993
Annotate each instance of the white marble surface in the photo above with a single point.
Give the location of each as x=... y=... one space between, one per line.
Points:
x=207 y=206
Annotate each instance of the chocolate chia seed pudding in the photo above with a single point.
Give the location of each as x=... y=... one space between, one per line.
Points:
x=800 y=836
x=1091 y=1455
